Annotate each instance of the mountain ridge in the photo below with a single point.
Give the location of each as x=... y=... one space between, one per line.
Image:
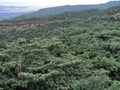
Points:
x=6 y=14
x=69 y=8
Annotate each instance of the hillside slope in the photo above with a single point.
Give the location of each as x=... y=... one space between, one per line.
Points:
x=56 y=53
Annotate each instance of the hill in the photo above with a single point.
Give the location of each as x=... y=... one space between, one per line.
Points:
x=9 y=15
x=7 y=12
x=68 y=8
x=61 y=52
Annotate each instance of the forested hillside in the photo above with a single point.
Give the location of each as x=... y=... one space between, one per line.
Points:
x=68 y=51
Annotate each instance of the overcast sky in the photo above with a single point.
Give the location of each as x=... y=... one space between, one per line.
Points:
x=48 y=3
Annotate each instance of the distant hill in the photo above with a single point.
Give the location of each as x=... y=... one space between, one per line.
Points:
x=7 y=12
x=6 y=9
x=68 y=8
x=10 y=15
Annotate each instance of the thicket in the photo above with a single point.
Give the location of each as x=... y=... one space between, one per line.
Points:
x=82 y=54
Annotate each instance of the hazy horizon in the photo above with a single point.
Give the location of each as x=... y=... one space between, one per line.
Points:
x=50 y=3
x=34 y=5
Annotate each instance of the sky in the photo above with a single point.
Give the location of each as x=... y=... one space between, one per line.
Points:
x=49 y=3
x=34 y=5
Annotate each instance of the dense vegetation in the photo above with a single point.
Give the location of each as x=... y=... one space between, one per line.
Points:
x=61 y=52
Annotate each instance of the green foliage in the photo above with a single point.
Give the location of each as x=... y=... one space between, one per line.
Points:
x=69 y=51
x=98 y=81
